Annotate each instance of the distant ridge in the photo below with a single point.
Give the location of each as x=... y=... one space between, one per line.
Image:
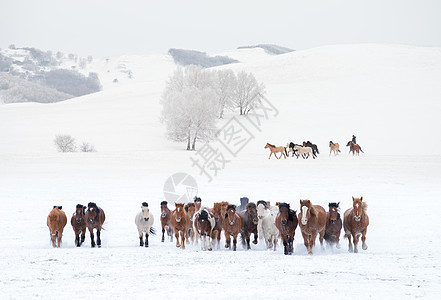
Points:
x=269 y=48
x=191 y=57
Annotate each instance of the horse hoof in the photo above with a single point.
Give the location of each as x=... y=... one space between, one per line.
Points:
x=255 y=242
x=146 y=245
x=338 y=246
x=365 y=247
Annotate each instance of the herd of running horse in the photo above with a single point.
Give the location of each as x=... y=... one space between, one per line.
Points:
x=308 y=149
x=194 y=223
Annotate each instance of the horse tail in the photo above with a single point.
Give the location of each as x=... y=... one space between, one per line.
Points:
x=316 y=149
x=338 y=150
x=285 y=151
x=152 y=231
x=360 y=148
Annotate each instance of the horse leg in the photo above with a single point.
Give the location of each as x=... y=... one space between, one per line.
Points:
x=83 y=236
x=92 y=238
x=248 y=235
x=227 y=240
x=183 y=239
x=270 y=155
x=141 y=241
x=177 y=239
x=170 y=233
x=77 y=238
x=163 y=232
x=98 y=237
x=285 y=244
x=59 y=235
x=349 y=236
x=256 y=236
x=235 y=241
x=356 y=239
x=363 y=240
x=147 y=238
x=321 y=236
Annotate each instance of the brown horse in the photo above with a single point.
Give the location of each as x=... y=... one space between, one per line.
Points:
x=286 y=222
x=180 y=223
x=190 y=209
x=56 y=221
x=355 y=223
x=312 y=221
x=203 y=224
x=95 y=218
x=197 y=203
x=275 y=150
x=165 y=221
x=232 y=223
x=334 y=147
x=354 y=148
x=333 y=225
x=249 y=225
x=219 y=211
x=78 y=222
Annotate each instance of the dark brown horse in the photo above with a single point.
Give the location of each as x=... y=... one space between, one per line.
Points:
x=249 y=225
x=78 y=222
x=333 y=225
x=354 y=148
x=232 y=223
x=95 y=218
x=190 y=209
x=219 y=211
x=286 y=222
x=165 y=221
x=56 y=221
x=180 y=223
x=355 y=223
x=312 y=221
x=203 y=224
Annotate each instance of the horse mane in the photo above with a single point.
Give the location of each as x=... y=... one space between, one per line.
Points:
x=291 y=213
x=251 y=205
x=93 y=205
x=230 y=206
x=271 y=145
x=263 y=203
x=364 y=206
x=197 y=199
x=79 y=206
x=145 y=204
x=164 y=202
x=203 y=215
x=334 y=204
x=283 y=204
x=313 y=211
x=59 y=207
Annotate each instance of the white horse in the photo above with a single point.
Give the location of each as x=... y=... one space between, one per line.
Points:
x=144 y=221
x=203 y=224
x=267 y=224
x=305 y=152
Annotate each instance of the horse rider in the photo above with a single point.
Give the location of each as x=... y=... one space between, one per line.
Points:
x=354 y=139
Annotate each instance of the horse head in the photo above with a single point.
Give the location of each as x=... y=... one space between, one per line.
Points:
x=197 y=202
x=252 y=212
x=92 y=212
x=350 y=143
x=305 y=210
x=334 y=214
x=358 y=208
x=284 y=210
x=230 y=214
x=80 y=211
x=145 y=211
x=191 y=209
x=164 y=209
x=180 y=212
x=261 y=209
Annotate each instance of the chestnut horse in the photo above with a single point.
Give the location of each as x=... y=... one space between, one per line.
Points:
x=249 y=225
x=56 y=221
x=312 y=221
x=190 y=209
x=334 y=147
x=78 y=222
x=180 y=223
x=354 y=148
x=355 y=223
x=275 y=150
x=219 y=211
x=165 y=221
x=95 y=218
x=333 y=225
x=232 y=223
x=286 y=223
x=203 y=224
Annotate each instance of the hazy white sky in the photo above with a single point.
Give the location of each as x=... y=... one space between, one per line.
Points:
x=105 y=27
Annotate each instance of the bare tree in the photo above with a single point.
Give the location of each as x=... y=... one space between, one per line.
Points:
x=65 y=143
x=248 y=92
x=225 y=86
x=87 y=147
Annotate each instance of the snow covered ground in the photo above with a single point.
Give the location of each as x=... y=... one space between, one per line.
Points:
x=320 y=94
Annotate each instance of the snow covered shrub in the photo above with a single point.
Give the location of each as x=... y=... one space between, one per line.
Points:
x=87 y=147
x=65 y=143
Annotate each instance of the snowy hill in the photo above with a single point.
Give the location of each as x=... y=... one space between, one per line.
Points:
x=387 y=95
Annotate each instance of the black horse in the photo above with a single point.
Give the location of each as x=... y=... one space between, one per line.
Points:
x=314 y=148
x=291 y=147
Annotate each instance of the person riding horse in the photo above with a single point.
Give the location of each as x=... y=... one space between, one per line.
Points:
x=354 y=139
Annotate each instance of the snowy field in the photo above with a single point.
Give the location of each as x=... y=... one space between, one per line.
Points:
x=401 y=184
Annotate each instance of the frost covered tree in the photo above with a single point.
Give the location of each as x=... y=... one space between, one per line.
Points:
x=65 y=143
x=248 y=92
x=189 y=106
x=225 y=86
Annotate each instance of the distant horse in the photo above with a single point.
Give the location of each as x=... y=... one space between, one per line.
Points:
x=355 y=223
x=333 y=225
x=165 y=221
x=95 y=218
x=354 y=148
x=266 y=224
x=275 y=150
x=56 y=221
x=197 y=203
x=78 y=222
x=305 y=152
x=204 y=223
x=312 y=221
x=232 y=224
x=249 y=225
x=286 y=222
x=219 y=211
x=334 y=147
x=315 y=150
x=180 y=223
x=290 y=146
x=144 y=221
x=190 y=208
